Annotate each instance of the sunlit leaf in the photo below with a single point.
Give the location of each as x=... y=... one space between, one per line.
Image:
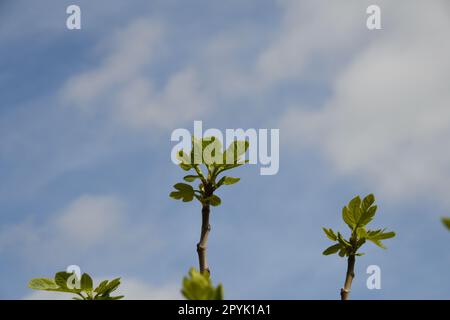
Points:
x=190 y=178
x=367 y=202
x=86 y=282
x=235 y=151
x=198 y=286
x=330 y=234
x=332 y=249
x=85 y=292
x=348 y=218
x=367 y=216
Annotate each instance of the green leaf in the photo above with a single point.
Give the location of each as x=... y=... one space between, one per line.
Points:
x=367 y=202
x=226 y=167
x=198 y=286
x=207 y=141
x=386 y=235
x=361 y=233
x=59 y=284
x=332 y=249
x=191 y=178
x=176 y=195
x=227 y=180
x=214 y=200
x=446 y=222
x=183 y=187
x=374 y=233
x=378 y=243
x=101 y=287
x=219 y=295
x=62 y=279
x=330 y=234
x=185 y=161
x=212 y=151
x=343 y=242
x=185 y=167
x=43 y=284
x=106 y=288
x=354 y=208
x=354 y=203
x=230 y=180
x=357 y=212
x=183 y=157
x=196 y=151
x=377 y=235
x=184 y=195
x=188 y=197
x=348 y=218
x=367 y=216
x=112 y=285
x=360 y=242
x=185 y=192
x=86 y=282
x=235 y=151
x=380 y=234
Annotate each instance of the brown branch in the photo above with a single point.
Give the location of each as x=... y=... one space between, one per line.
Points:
x=345 y=292
x=201 y=246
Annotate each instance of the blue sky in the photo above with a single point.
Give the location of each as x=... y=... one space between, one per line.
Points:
x=86 y=118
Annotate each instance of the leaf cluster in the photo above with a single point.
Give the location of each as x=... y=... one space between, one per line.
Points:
x=198 y=286
x=357 y=215
x=208 y=161
x=446 y=222
x=85 y=291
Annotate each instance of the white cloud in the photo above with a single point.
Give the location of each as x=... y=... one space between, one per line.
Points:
x=310 y=40
x=131 y=288
x=90 y=225
x=135 y=289
x=47 y=295
x=388 y=120
x=90 y=219
x=140 y=105
x=129 y=51
x=310 y=31
x=124 y=84
x=126 y=87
